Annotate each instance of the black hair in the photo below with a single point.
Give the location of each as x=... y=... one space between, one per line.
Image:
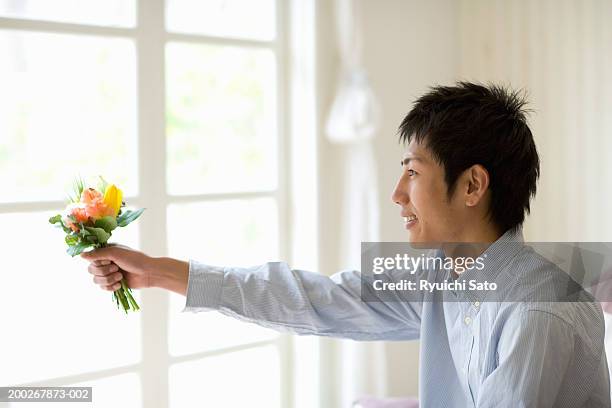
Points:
x=469 y=124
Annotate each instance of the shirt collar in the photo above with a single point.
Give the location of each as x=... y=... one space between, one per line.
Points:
x=495 y=258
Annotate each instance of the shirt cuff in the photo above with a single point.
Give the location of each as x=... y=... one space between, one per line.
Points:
x=204 y=287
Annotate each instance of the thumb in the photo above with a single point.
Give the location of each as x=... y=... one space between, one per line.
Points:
x=106 y=253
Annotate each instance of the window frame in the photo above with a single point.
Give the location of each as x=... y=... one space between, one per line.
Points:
x=150 y=39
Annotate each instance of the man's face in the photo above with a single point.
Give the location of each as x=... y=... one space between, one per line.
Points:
x=429 y=215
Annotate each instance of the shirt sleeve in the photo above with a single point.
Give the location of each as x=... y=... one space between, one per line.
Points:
x=275 y=296
x=534 y=351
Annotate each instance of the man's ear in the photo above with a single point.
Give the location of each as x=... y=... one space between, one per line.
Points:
x=477 y=179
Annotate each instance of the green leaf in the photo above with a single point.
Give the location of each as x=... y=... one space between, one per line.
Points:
x=55 y=219
x=59 y=223
x=78 y=188
x=102 y=184
x=101 y=235
x=75 y=250
x=128 y=216
x=107 y=223
x=72 y=239
x=63 y=227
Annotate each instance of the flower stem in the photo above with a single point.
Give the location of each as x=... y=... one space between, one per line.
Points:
x=123 y=295
x=122 y=298
x=128 y=294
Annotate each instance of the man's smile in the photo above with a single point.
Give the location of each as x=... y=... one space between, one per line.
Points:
x=410 y=220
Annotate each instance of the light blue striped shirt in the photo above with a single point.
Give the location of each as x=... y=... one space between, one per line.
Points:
x=472 y=353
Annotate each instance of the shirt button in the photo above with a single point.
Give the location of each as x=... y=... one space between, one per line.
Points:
x=467 y=320
x=476 y=304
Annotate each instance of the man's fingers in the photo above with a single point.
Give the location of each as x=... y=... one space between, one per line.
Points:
x=101 y=254
x=111 y=288
x=109 y=280
x=102 y=270
x=101 y=262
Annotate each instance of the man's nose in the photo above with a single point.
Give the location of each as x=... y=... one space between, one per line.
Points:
x=399 y=195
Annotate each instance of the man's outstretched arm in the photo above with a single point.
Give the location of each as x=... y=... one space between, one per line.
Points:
x=271 y=295
x=276 y=296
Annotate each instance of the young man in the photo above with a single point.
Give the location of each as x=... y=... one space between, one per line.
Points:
x=469 y=172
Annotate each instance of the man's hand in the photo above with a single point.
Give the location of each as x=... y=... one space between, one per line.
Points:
x=110 y=264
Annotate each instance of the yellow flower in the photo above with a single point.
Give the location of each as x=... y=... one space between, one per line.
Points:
x=113 y=197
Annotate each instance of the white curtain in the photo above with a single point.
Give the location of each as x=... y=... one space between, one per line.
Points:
x=362 y=364
x=353 y=122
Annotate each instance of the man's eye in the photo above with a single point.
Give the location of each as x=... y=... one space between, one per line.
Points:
x=411 y=172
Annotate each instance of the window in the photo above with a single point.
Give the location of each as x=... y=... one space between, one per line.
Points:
x=183 y=104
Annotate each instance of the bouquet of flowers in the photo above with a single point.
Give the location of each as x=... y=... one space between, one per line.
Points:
x=89 y=220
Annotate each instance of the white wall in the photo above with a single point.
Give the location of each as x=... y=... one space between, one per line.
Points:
x=561 y=52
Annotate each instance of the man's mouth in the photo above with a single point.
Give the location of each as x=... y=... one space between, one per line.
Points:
x=410 y=221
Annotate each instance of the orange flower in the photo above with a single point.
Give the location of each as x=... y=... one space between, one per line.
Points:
x=90 y=195
x=68 y=223
x=75 y=213
x=94 y=205
x=98 y=209
x=79 y=214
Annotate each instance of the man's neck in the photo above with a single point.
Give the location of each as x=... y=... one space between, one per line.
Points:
x=472 y=243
